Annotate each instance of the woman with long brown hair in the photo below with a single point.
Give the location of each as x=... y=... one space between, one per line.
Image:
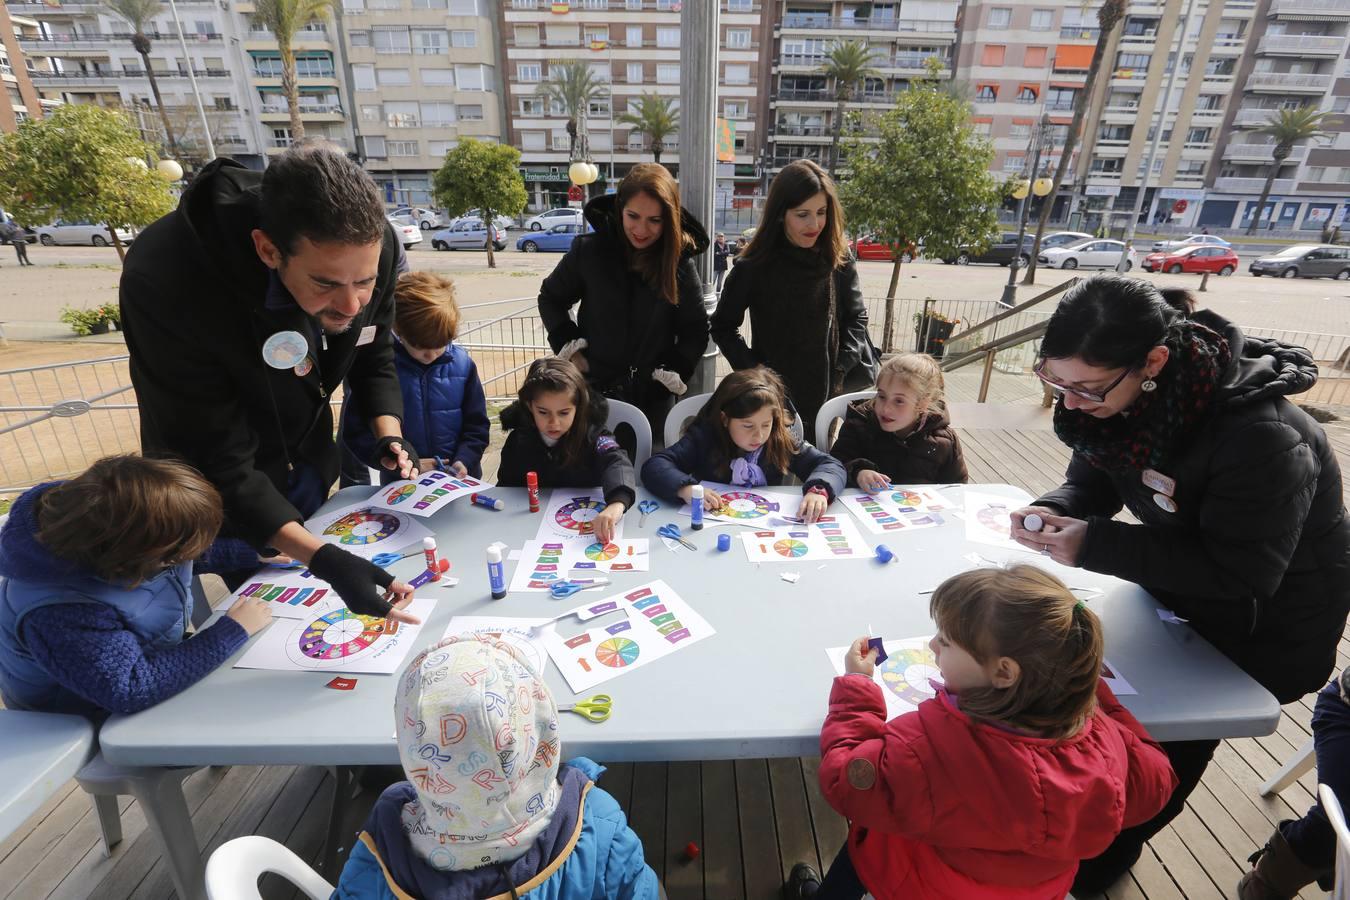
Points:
x=641 y=328
x=801 y=287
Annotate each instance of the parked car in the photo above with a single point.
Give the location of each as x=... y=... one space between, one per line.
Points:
x=1063 y=239
x=1305 y=261
x=558 y=238
x=1089 y=254
x=468 y=234
x=407 y=230
x=1196 y=258
x=1190 y=241
x=505 y=223
x=83 y=233
x=868 y=247
x=553 y=217
x=425 y=219
x=1002 y=251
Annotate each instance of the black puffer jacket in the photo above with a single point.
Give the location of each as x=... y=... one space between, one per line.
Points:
x=629 y=329
x=1257 y=555
x=605 y=464
x=927 y=455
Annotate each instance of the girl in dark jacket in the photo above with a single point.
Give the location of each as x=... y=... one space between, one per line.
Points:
x=745 y=436
x=641 y=329
x=801 y=288
x=902 y=435
x=1182 y=419
x=557 y=431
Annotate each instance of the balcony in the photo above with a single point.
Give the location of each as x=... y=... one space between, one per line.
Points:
x=1288 y=83
x=1261 y=153
x=1254 y=117
x=796 y=95
x=65 y=9
x=1076 y=33
x=813 y=22
x=915 y=62
x=319 y=112
x=56 y=44
x=1321 y=9
x=1252 y=185
x=787 y=130
x=801 y=60
x=62 y=80
x=1300 y=45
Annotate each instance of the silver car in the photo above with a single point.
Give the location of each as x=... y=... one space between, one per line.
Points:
x=467 y=234
x=1305 y=261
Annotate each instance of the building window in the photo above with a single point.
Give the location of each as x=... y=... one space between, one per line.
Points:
x=634 y=73
x=375 y=148
x=1042 y=19
x=999 y=17
x=464 y=38
x=986 y=93
x=528 y=72
x=401 y=114
x=432 y=41
x=531 y=106
x=393 y=77
x=439 y=149
x=403 y=148
x=1026 y=94
x=1316 y=173
x=632 y=35
x=1132 y=61
x=428 y=4
x=438 y=114
x=438 y=77
x=471 y=112
x=371 y=113
x=391 y=40
x=382 y=4
x=993 y=55
x=533 y=140
x=465 y=8
x=738 y=38
x=1020 y=130
x=669 y=73
x=735 y=74
x=1035 y=57
x=470 y=78
x=981 y=126
x=363 y=76
x=740 y=6
x=598 y=109
x=667 y=37
x=527 y=35
x=734 y=109
x=1197 y=136
x=359 y=38
x=1014 y=164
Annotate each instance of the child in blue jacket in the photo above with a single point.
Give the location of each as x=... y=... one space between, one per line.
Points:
x=96 y=593
x=746 y=435
x=444 y=411
x=487 y=810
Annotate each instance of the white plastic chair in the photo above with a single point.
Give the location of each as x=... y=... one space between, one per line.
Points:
x=621 y=413
x=1302 y=762
x=682 y=412
x=832 y=409
x=1332 y=807
x=234 y=869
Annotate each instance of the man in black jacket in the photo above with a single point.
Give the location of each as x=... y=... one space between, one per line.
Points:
x=244 y=310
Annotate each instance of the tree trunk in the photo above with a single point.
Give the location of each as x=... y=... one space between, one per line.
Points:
x=888 y=328
x=291 y=89
x=159 y=103
x=1071 y=140
x=117 y=244
x=1278 y=159
x=656 y=152
x=489 y=217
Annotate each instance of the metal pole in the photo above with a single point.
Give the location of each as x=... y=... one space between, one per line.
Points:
x=613 y=179
x=192 y=79
x=1040 y=130
x=1182 y=28
x=698 y=103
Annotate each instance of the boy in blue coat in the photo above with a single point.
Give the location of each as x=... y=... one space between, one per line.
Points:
x=96 y=595
x=487 y=810
x=444 y=411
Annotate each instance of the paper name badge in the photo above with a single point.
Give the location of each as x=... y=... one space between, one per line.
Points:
x=1159 y=482
x=367 y=335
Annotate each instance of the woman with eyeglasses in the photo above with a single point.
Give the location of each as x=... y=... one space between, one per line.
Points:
x=1180 y=418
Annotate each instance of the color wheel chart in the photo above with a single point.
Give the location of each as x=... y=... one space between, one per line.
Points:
x=743 y=506
x=368 y=529
x=833 y=537
x=340 y=634
x=570 y=516
x=905 y=677
x=544 y=562
x=336 y=640
x=428 y=494
x=656 y=623
x=988 y=520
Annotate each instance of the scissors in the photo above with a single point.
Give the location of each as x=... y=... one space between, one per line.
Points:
x=561 y=590
x=596 y=709
x=672 y=531
x=385 y=560
x=647 y=507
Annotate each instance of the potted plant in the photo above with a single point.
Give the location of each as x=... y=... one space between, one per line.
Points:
x=931 y=330
x=94 y=320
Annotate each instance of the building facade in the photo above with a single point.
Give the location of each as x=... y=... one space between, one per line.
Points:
x=21 y=101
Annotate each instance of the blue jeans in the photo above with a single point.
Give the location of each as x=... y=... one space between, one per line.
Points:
x=1311 y=837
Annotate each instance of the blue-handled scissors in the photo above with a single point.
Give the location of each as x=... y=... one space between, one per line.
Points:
x=672 y=531
x=561 y=590
x=647 y=507
x=596 y=709
x=385 y=560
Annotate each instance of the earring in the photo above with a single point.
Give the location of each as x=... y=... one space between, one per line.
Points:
x=1148 y=385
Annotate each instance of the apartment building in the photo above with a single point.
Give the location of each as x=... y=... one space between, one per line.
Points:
x=21 y=101
x=422 y=74
x=802 y=100
x=634 y=47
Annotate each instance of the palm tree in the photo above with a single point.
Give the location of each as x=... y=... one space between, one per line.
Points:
x=655 y=119
x=849 y=63
x=1287 y=127
x=284 y=18
x=572 y=85
x=1108 y=17
x=137 y=13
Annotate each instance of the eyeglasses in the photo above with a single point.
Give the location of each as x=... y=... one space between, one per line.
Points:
x=1091 y=396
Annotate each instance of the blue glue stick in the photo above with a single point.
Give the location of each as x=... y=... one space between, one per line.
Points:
x=724 y=542
x=496 y=573
x=884 y=553
x=696 y=507
x=485 y=500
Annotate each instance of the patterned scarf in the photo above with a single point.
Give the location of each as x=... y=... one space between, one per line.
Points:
x=746 y=470
x=1145 y=435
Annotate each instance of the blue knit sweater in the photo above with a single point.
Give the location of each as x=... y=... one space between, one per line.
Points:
x=86 y=648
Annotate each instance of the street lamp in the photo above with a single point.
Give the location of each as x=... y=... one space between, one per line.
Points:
x=1040 y=135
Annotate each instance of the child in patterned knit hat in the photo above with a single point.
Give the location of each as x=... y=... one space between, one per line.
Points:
x=487 y=810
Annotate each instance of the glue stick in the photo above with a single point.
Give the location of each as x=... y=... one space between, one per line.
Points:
x=1033 y=522
x=485 y=500
x=429 y=551
x=532 y=485
x=496 y=575
x=696 y=507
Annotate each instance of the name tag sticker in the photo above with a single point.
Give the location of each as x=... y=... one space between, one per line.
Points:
x=367 y=335
x=1159 y=482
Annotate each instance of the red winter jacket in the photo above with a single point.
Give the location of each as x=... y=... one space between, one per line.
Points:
x=943 y=807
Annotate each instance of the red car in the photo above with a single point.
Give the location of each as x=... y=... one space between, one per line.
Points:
x=1219 y=260
x=870 y=248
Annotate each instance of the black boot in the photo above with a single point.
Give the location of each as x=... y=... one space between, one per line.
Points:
x=1278 y=874
x=803 y=881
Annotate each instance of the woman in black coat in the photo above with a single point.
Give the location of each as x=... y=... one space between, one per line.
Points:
x=1183 y=420
x=641 y=329
x=807 y=318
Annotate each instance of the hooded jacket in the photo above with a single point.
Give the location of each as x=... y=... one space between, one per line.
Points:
x=195 y=312
x=605 y=463
x=1257 y=554
x=629 y=330
x=71 y=642
x=930 y=454
x=942 y=807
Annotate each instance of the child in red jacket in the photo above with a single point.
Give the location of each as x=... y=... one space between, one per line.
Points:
x=1022 y=765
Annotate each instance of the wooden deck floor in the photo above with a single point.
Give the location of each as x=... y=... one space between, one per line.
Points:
x=751 y=819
